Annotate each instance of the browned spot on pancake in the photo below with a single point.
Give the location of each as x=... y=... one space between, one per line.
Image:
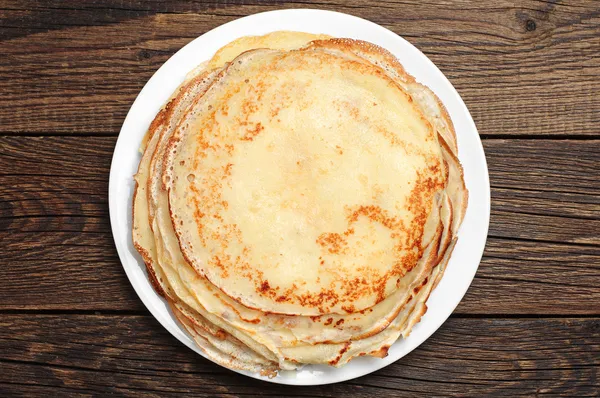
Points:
x=219 y=264
x=339 y=322
x=198 y=216
x=227 y=171
x=342 y=351
x=380 y=353
x=323 y=300
x=203 y=147
x=249 y=106
x=417 y=289
x=395 y=140
x=328 y=321
x=375 y=214
x=266 y=289
x=333 y=242
x=253 y=132
x=349 y=308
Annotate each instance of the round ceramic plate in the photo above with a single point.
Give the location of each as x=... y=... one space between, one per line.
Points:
x=473 y=232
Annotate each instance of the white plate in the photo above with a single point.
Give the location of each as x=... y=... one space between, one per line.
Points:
x=472 y=235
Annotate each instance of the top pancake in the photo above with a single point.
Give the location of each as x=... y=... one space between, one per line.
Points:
x=301 y=182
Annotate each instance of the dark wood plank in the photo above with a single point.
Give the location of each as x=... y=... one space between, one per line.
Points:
x=544 y=234
x=520 y=277
x=64 y=271
x=132 y=355
x=523 y=68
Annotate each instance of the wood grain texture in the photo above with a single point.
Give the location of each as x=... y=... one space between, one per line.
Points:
x=544 y=233
x=131 y=355
x=70 y=322
x=522 y=67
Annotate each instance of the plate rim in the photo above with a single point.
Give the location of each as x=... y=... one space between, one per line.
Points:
x=142 y=291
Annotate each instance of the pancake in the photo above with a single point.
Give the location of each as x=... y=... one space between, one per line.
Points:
x=324 y=185
x=280 y=40
x=222 y=122
x=222 y=348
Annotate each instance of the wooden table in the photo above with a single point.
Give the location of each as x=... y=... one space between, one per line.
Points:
x=71 y=323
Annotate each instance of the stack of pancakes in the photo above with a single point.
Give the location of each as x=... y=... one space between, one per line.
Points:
x=297 y=200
